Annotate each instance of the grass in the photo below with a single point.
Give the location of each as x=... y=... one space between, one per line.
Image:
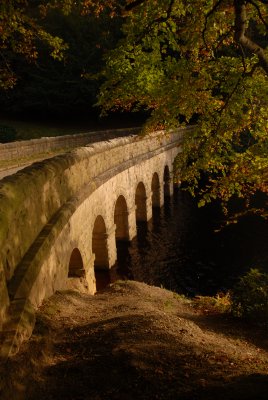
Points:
x=219 y=304
x=32 y=130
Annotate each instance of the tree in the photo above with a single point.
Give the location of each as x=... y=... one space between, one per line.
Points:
x=49 y=86
x=202 y=61
x=21 y=33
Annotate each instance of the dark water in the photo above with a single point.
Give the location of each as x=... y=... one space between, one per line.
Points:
x=180 y=250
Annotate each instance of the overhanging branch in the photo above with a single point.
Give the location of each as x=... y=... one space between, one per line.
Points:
x=216 y=5
x=259 y=12
x=133 y=4
x=241 y=38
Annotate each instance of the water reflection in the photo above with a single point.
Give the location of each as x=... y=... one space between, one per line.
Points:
x=179 y=249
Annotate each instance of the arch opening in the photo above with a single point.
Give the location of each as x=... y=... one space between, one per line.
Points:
x=167 y=182
x=100 y=251
x=99 y=244
x=121 y=219
x=140 y=202
x=155 y=191
x=76 y=266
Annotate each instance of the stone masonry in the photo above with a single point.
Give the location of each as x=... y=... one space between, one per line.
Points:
x=60 y=218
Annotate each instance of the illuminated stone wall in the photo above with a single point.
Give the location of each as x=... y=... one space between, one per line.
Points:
x=25 y=149
x=50 y=208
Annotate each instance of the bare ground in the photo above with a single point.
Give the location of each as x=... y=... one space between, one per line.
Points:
x=133 y=341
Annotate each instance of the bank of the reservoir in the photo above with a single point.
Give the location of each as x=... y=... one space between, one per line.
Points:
x=133 y=341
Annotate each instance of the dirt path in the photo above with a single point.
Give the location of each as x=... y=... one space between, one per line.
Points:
x=134 y=341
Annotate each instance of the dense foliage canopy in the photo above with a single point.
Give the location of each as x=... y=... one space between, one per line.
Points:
x=203 y=62
x=206 y=62
x=49 y=56
x=20 y=34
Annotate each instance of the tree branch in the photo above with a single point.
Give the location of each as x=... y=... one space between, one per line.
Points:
x=259 y=12
x=242 y=39
x=243 y=59
x=154 y=21
x=206 y=20
x=133 y=4
x=255 y=66
x=224 y=36
x=230 y=95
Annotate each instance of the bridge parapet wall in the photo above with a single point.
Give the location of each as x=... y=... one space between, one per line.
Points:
x=26 y=148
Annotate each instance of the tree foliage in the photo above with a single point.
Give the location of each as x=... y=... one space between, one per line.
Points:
x=21 y=32
x=199 y=61
x=250 y=297
x=202 y=61
x=49 y=86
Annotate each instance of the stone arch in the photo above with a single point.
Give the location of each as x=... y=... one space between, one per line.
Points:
x=76 y=267
x=100 y=253
x=167 y=182
x=121 y=219
x=99 y=244
x=156 y=194
x=140 y=202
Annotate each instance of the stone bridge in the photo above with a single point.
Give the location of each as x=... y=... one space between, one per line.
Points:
x=60 y=220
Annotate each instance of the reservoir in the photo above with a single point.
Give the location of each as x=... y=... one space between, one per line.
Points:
x=190 y=250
